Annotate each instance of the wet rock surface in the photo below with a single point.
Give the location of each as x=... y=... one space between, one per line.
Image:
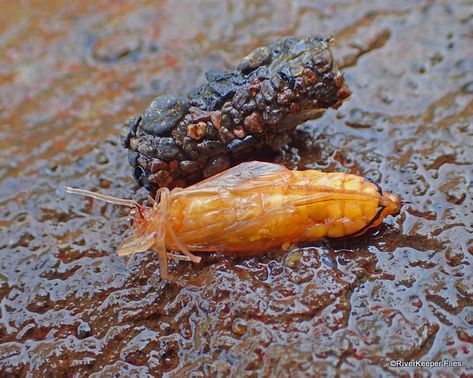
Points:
x=70 y=306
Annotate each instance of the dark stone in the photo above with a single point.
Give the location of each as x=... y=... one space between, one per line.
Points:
x=197 y=97
x=237 y=120
x=125 y=135
x=248 y=107
x=188 y=166
x=285 y=97
x=163 y=114
x=212 y=133
x=143 y=161
x=226 y=120
x=286 y=75
x=161 y=178
x=179 y=133
x=254 y=124
x=129 y=129
x=157 y=165
x=212 y=147
x=255 y=59
x=242 y=97
x=273 y=116
x=225 y=135
x=199 y=115
x=216 y=165
x=226 y=107
x=262 y=73
x=231 y=110
x=290 y=42
x=224 y=83
x=234 y=113
x=133 y=123
x=198 y=102
x=277 y=82
x=260 y=103
x=242 y=146
x=166 y=148
x=149 y=186
x=138 y=174
x=267 y=90
x=323 y=62
x=132 y=157
x=299 y=85
x=190 y=148
x=83 y=330
x=144 y=147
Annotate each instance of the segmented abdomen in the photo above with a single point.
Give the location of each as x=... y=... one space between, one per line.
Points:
x=347 y=205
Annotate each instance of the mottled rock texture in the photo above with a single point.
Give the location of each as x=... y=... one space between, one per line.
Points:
x=71 y=72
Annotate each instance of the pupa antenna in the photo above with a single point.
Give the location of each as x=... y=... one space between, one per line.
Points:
x=102 y=197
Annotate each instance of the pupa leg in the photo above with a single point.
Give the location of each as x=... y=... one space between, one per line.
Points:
x=182 y=247
x=160 y=244
x=165 y=227
x=178 y=257
x=163 y=266
x=130 y=259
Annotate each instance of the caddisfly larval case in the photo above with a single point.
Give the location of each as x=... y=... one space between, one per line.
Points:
x=178 y=141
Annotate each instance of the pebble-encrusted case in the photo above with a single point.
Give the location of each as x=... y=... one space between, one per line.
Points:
x=178 y=141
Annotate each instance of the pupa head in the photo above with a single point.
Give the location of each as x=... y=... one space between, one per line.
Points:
x=146 y=222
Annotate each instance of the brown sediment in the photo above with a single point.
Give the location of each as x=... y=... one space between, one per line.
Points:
x=235 y=116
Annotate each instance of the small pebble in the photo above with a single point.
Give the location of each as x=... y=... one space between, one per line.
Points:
x=196 y=131
x=216 y=165
x=343 y=93
x=173 y=165
x=156 y=165
x=254 y=123
x=310 y=77
x=267 y=91
x=188 y=166
x=134 y=144
x=239 y=132
x=163 y=113
x=216 y=118
x=166 y=148
x=255 y=59
x=225 y=135
x=83 y=330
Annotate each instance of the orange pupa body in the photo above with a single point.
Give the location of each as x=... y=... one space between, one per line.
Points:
x=256 y=207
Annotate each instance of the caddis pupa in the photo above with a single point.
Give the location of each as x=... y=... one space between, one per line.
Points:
x=253 y=208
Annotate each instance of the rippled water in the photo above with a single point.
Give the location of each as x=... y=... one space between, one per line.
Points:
x=70 y=74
